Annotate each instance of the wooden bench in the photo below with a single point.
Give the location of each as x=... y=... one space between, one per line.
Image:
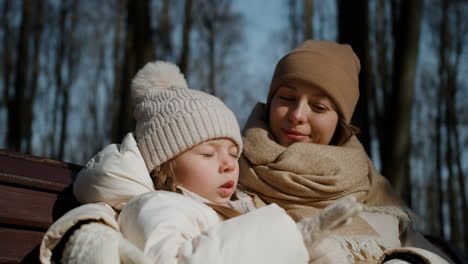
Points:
x=34 y=192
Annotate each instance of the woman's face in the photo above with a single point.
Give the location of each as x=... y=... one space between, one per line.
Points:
x=302 y=113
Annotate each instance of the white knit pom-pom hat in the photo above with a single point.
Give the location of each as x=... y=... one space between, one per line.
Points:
x=172 y=118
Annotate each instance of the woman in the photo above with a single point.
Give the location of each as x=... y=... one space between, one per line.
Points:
x=301 y=153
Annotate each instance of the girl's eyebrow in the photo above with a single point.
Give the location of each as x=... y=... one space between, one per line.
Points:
x=214 y=143
x=233 y=146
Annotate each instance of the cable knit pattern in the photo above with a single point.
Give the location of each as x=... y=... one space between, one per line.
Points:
x=172 y=118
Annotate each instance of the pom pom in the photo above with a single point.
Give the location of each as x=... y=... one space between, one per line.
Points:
x=156 y=75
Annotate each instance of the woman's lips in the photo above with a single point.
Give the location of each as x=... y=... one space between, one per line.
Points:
x=227 y=188
x=294 y=135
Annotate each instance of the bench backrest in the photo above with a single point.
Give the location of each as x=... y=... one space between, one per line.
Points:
x=34 y=192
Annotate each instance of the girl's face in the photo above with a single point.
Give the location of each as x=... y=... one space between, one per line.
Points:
x=302 y=113
x=209 y=169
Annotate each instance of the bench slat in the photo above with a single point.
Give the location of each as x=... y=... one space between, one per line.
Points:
x=24 y=207
x=34 y=192
x=17 y=245
x=36 y=173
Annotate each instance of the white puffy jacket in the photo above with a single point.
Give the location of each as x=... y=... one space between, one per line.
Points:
x=169 y=227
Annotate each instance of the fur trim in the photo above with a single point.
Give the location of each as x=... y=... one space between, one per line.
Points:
x=156 y=75
x=405 y=217
x=362 y=248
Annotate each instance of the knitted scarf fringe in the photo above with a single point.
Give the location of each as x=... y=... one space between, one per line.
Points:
x=405 y=216
x=362 y=248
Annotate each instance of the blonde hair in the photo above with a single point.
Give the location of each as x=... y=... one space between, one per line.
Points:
x=163 y=176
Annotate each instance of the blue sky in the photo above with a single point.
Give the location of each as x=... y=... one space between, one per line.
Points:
x=263 y=19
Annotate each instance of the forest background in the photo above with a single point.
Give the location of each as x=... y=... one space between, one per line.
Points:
x=66 y=68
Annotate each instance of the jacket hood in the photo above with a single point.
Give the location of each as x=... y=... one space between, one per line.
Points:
x=114 y=175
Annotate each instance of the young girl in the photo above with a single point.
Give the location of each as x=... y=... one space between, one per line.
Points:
x=300 y=152
x=186 y=143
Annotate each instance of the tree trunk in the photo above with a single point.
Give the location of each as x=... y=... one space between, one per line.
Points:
x=395 y=162
x=219 y=33
x=451 y=189
x=72 y=63
x=353 y=28
x=385 y=80
x=139 y=49
x=212 y=56
x=185 y=54
x=459 y=40
x=308 y=19
x=59 y=83
x=95 y=143
x=7 y=56
x=164 y=30
x=462 y=185
x=294 y=24
x=114 y=106
x=458 y=196
x=63 y=124
x=37 y=35
x=16 y=131
x=442 y=70
x=438 y=183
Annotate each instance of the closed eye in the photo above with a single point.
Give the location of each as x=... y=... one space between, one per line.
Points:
x=286 y=98
x=319 y=108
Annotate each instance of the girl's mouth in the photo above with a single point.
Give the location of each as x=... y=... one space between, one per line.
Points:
x=227 y=188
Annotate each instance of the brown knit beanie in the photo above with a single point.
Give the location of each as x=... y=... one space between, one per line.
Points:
x=331 y=66
x=172 y=118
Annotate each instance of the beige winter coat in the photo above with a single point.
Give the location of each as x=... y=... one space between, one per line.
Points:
x=170 y=227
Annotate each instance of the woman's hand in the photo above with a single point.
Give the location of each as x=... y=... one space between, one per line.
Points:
x=315 y=229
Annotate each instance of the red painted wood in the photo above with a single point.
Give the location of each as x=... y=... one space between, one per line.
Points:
x=19 y=245
x=34 y=192
x=23 y=207
x=36 y=173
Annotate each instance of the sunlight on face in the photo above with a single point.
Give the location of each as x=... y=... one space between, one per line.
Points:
x=302 y=113
x=209 y=169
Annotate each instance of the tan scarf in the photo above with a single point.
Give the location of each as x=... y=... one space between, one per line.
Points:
x=304 y=178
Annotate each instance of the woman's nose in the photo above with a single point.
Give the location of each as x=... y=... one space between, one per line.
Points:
x=228 y=164
x=298 y=112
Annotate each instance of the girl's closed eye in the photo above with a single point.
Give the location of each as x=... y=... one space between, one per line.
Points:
x=207 y=154
x=233 y=151
x=233 y=154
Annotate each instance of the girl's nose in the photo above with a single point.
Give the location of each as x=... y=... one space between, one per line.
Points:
x=298 y=112
x=228 y=164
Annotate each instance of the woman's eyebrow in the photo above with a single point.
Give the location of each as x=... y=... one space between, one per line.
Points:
x=288 y=87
